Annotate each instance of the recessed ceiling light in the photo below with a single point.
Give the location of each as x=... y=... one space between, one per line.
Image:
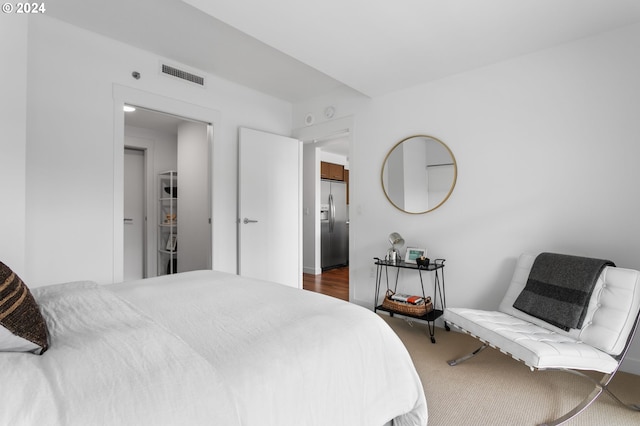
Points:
x=128 y=108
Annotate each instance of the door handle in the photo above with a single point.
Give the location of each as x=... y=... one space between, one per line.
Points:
x=128 y=220
x=245 y=221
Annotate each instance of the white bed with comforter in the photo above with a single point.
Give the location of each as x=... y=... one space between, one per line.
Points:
x=208 y=348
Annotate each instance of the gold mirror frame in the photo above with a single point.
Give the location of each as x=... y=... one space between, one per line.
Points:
x=453 y=179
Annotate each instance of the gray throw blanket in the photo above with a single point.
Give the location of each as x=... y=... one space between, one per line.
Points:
x=559 y=288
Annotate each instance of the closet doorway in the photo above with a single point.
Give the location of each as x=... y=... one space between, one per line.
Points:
x=181 y=146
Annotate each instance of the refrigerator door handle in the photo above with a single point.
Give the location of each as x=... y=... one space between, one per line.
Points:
x=332 y=213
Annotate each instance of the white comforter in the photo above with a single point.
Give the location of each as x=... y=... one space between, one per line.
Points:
x=248 y=353
x=108 y=365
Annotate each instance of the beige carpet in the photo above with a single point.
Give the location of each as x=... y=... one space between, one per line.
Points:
x=494 y=389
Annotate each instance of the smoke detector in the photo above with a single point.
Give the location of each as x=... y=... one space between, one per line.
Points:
x=329 y=112
x=309 y=119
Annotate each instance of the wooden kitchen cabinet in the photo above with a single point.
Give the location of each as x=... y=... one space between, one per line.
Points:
x=331 y=171
x=336 y=171
x=324 y=170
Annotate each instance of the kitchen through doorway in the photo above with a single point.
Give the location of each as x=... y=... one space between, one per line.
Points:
x=326 y=210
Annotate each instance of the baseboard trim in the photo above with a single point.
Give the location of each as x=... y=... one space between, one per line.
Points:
x=311 y=270
x=363 y=303
x=631 y=365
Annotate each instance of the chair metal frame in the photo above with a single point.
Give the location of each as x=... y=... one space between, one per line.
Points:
x=601 y=386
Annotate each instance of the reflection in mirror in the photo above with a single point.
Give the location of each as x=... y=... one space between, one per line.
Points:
x=419 y=174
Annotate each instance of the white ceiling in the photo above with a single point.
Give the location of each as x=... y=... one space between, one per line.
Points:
x=174 y=30
x=299 y=49
x=379 y=46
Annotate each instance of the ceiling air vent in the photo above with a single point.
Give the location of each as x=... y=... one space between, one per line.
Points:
x=184 y=75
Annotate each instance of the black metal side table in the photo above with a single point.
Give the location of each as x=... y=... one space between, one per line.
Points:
x=439 y=298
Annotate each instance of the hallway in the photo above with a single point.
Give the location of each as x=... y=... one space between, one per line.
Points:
x=334 y=282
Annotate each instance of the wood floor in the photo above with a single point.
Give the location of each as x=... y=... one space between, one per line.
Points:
x=334 y=282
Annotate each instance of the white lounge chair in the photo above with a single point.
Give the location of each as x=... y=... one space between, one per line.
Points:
x=600 y=345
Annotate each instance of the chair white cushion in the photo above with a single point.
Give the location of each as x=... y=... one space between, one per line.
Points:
x=536 y=346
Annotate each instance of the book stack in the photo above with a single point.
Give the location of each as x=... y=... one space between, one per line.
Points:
x=406 y=298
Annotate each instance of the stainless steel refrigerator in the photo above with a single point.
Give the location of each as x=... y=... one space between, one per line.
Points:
x=334 y=224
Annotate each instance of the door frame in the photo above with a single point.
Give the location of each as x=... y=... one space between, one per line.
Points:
x=127 y=95
x=309 y=135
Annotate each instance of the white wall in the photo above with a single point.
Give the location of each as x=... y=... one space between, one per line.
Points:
x=547 y=150
x=165 y=148
x=13 y=122
x=330 y=157
x=71 y=154
x=194 y=203
x=310 y=215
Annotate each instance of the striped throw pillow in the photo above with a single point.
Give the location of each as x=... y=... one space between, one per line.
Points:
x=22 y=327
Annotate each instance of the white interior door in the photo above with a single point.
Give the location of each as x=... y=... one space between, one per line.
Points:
x=270 y=207
x=134 y=208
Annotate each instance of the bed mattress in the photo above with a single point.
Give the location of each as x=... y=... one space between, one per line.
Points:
x=209 y=348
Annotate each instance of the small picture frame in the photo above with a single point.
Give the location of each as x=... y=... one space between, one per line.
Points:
x=413 y=253
x=172 y=243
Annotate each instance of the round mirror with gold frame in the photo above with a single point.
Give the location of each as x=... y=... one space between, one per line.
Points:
x=419 y=174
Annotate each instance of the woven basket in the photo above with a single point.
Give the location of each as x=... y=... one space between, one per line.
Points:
x=407 y=308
